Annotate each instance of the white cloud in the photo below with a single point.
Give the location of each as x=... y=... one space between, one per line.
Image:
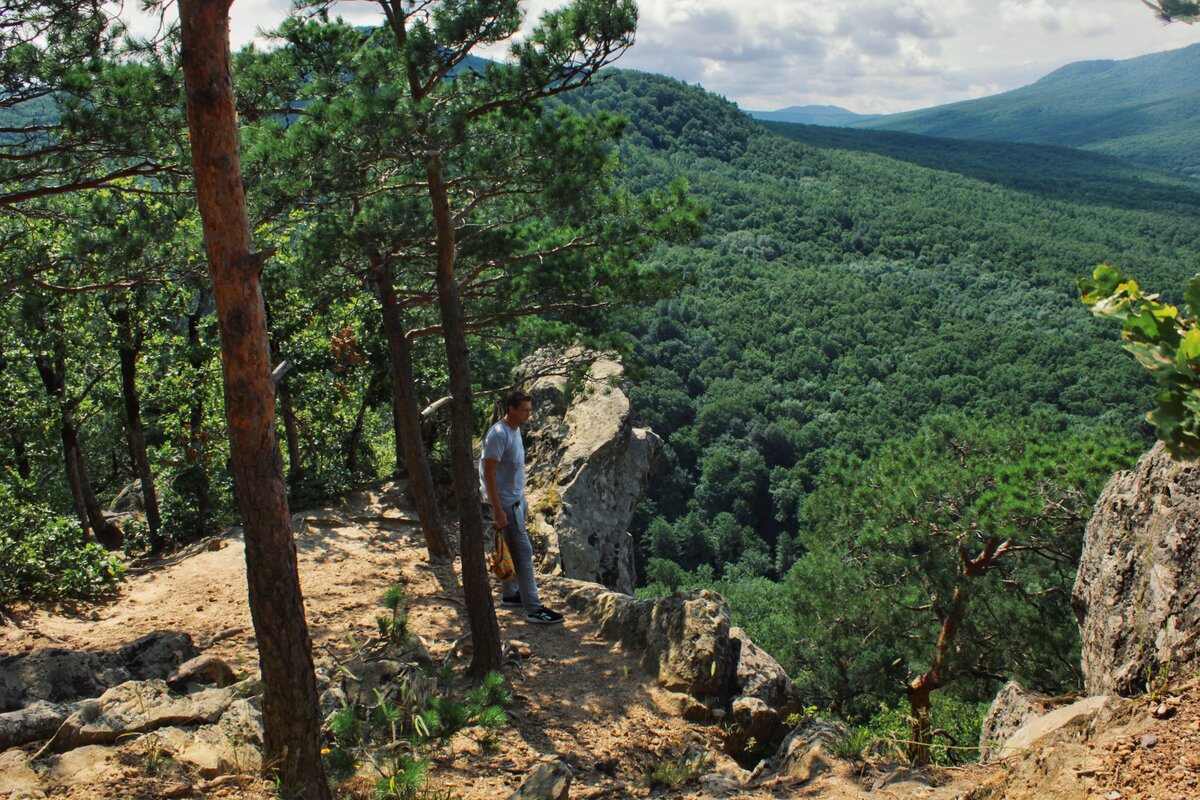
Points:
x=867 y=55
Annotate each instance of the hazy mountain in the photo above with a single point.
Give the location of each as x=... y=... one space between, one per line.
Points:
x=1146 y=109
x=834 y=116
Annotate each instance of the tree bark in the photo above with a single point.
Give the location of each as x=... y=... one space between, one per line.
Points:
x=291 y=720
x=136 y=435
x=197 y=480
x=406 y=417
x=291 y=433
x=359 y=420
x=53 y=372
x=919 y=690
x=481 y=613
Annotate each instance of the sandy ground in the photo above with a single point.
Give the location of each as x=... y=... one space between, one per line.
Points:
x=578 y=698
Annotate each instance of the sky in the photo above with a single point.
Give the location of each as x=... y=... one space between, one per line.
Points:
x=871 y=56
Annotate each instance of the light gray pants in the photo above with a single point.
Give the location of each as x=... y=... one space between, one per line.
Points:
x=522 y=554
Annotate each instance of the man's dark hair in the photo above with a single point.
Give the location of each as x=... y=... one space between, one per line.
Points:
x=515 y=399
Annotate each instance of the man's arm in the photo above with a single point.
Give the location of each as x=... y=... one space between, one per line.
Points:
x=490 y=465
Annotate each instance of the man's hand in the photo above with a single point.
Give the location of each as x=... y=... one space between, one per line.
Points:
x=500 y=517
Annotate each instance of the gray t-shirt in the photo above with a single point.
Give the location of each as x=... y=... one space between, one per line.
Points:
x=503 y=444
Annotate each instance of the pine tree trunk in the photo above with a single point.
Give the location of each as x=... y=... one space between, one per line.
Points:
x=53 y=372
x=291 y=433
x=20 y=456
x=481 y=613
x=292 y=727
x=919 y=690
x=197 y=484
x=406 y=417
x=359 y=420
x=137 y=444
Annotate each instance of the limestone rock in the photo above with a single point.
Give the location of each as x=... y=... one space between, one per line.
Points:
x=17 y=778
x=130 y=498
x=36 y=721
x=682 y=639
x=753 y=729
x=589 y=461
x=137 y=707
x=804 y=753
x=1013 y=707
x=58 y=675
x=550 y=781
x=233 y=746
x=1081 y=715
x=201 y=669
x=1137 y=595
x=759 y=675
x=684 y=705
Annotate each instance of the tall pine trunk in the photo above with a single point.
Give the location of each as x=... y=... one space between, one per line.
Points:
x=291 y=433
x=292 y=726
x=193 y=481
x=481 y=613
x=52 y=369
x=136 y=435
x=406 y=416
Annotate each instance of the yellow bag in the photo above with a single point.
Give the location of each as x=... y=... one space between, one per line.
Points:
x=501 y=560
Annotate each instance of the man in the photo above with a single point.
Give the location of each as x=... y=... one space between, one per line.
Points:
x=502 y=474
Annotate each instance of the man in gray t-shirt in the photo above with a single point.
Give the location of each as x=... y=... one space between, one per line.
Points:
x=502 y=488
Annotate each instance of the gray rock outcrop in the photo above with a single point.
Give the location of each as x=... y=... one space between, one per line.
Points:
x=57 y=675
x=138 y=707
x=550 y=781
x=1137 y=595
x=1013 y=707
x=588 y=462
x=683 y=639
x=805 y=752
x=686 y=642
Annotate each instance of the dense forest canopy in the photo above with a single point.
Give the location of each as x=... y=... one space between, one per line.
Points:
x=866 y=321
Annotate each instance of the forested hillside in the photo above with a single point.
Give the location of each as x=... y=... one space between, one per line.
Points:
x=1144 y=109
x=885 y=410
x=879 y=304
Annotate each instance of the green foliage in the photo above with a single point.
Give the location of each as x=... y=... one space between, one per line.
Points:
x=42 y=555
x=396 y=735
x=888 y=544
x=677 y=771
x=1165 y=342
x=956 y=724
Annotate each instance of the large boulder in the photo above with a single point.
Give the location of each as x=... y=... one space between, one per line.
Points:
x=1081 y=718
x=1137 y=595
x=1013 y=707
x=806 y=752
x=589 y=461
x=138 y=707
x=58 y=675
x=762 y=677
x=683 y=639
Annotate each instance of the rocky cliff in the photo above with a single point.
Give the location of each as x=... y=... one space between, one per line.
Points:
x=1137 y=595
x=589 y=460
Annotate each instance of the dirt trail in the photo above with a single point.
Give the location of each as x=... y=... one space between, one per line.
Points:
x=577 y=697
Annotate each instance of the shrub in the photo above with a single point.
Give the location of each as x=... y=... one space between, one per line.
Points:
x=42 y=555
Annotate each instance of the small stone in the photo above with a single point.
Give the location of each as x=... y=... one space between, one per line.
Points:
x=718 y=714
x=1149 y=740
x=1113 y=795
x=1163 y=711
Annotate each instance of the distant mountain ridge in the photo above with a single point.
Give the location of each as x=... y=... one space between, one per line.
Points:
x=1145 y=109
x=833 y=116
